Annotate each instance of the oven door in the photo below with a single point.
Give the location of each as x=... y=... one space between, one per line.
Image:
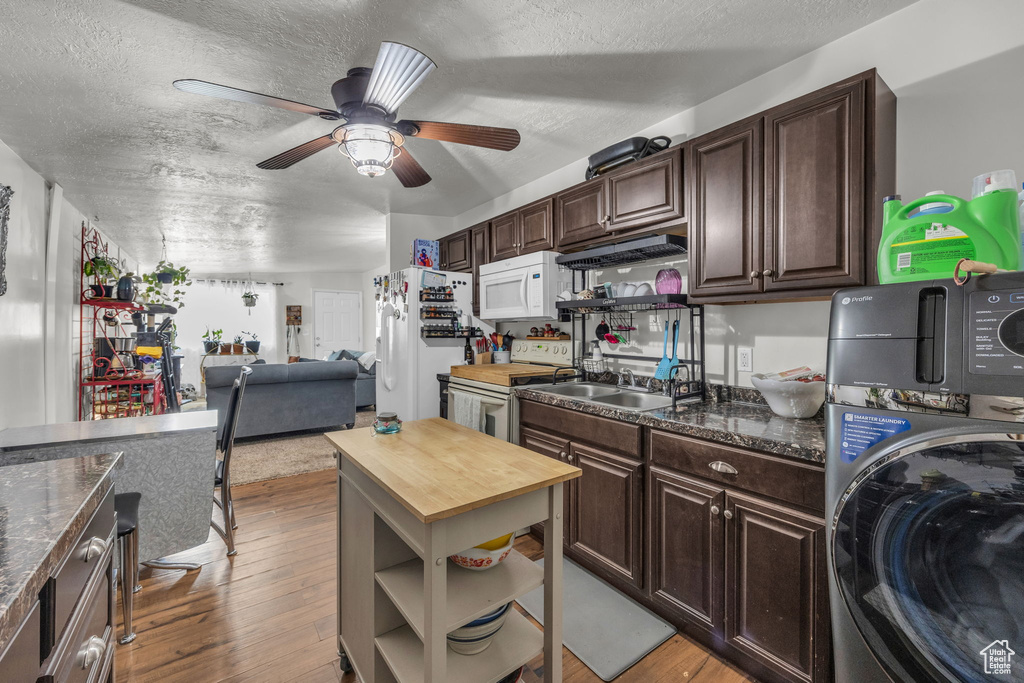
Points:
x=503 y=296
x=497 y=410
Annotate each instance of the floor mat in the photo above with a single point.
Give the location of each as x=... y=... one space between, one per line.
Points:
x=606 y=630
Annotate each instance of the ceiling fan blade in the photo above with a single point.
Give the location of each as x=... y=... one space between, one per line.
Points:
x=398 y=71
x=228 y=93
x=297 y=154
x=505 y=139
x=408 y=170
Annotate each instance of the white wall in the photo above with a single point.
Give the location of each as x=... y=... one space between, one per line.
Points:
x=403 y=228
x=959 y=105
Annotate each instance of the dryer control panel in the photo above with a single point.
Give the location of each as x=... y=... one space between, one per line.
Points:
x=995 y=342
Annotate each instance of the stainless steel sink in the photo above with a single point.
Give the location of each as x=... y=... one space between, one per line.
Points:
x=579 y=390
x=635 y=401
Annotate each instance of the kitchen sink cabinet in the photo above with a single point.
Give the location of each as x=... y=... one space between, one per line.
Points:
x=776 y=598
x=457 y=252
x=557 y=448
x=685 y=540
x=607 y=512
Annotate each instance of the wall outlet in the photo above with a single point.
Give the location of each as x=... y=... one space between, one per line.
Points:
x=745 y=359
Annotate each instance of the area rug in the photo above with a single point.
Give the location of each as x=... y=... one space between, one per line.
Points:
x=263 y=458
x=606 y=630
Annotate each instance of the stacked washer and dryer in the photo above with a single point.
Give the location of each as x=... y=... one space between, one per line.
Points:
x=925 y=477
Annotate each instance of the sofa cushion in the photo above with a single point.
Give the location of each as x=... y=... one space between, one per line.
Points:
x=336 y=355
x=311 y=372
x=224 y=375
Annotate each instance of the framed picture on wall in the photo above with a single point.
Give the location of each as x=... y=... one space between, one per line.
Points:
x=5 y=213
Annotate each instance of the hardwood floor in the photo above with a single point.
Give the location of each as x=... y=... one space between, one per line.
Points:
x=268 y=614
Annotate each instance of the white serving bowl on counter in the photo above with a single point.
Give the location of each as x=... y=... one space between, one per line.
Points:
x=791 y=398
x=476 y=636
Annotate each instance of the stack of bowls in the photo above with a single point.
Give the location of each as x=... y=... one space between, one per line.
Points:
x=476 y=636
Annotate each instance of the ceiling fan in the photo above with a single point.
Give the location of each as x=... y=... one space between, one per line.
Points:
x=367 y=100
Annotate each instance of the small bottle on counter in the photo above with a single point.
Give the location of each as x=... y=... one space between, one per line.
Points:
x=469 y=353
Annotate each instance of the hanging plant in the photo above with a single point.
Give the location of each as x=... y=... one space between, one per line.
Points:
x=166 y=284
x=249 y=298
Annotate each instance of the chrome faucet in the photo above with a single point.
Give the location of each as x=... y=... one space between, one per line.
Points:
x=622 y=378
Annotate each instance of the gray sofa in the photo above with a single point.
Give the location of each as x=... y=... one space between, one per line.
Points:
x=287 y=397
x=366 y=382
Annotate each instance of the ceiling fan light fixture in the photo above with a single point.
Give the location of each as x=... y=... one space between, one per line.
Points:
x=398 y=71
x=370 y=148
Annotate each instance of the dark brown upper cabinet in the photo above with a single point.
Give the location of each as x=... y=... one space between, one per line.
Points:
x=726 y=231
x=814 y=192
x=776 y=602
x=581 y=213
x=788 y=204
x=504 y=236
x=456 y=252
x=478 y=239
x=641 y=195
x=607 y=511
x=645 y=193
x=523 y=231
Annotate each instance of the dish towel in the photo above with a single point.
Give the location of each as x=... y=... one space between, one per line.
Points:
x=468 y=411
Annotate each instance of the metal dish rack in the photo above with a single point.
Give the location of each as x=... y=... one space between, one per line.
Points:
x=622 y=309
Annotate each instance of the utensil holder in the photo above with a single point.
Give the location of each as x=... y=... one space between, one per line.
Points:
x=502 y=357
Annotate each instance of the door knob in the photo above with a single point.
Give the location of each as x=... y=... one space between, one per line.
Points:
x=768 y=272
x=727 y=514
x=715 y=510
x=754 y=274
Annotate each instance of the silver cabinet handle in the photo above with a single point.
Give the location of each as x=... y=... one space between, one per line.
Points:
x=562 y=455
x=727 y=514
x=723 y=467
x=754 y=274
x=768 y=272
x=96 y=547
x=715 y=510
x=91 y=651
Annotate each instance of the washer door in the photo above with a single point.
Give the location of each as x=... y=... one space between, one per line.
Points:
x=928 y=552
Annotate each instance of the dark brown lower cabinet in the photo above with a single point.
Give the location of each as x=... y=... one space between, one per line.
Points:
x=776 y=604
x=555 y=447
x=607 y=512
x=685 y=535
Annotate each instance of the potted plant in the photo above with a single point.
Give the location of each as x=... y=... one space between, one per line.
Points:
x=249 y=298
x=237 y=347
x=165 y=284
x=253 y=344
x=105 y=270
x=211 y=340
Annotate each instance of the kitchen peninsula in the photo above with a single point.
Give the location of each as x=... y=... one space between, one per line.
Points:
x=169 y=459
x=409 y=500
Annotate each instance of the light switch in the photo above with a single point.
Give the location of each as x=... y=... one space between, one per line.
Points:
x=745 y=359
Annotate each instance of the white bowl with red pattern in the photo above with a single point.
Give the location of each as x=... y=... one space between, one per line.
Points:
x=481 y=559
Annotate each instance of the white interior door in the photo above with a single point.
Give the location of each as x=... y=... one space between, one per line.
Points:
x=337 y=322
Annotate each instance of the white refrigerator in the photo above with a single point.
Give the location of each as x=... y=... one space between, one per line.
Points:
x=408 y=363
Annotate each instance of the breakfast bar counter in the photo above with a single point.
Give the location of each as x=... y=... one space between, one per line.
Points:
x=409 y=500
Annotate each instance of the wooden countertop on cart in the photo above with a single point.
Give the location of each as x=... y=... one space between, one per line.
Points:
x=438 y=469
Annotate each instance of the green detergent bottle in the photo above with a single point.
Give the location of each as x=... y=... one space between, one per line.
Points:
x=926 y=245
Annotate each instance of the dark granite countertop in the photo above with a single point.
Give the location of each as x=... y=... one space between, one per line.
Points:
x=86 y=431
x=43 y=508
x=746 y=425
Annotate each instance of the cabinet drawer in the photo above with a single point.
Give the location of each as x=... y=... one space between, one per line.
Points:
x=576 y=426
x=82 y=653
x=791 y=482
x=82 y=561
x=20 y=661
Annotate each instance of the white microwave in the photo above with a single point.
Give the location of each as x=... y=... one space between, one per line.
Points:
x=523 y=287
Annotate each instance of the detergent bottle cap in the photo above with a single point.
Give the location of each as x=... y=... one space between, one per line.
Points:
x=993 y=181
x=935 y=207
x=891 y=198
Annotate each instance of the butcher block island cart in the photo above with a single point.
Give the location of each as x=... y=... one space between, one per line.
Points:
x=406 y=501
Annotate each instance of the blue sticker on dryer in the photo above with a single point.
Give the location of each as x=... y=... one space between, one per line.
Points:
x=860 y=432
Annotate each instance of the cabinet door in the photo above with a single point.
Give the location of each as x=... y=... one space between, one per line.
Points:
x=478 y=241
x=536 y=226
x=686 y=562
x=647 y=192
x=557 y=448
x=581 y=213
x=726 y=230
x=814 y=191
x=504 y=236
x=776 y=598
x=457 y=253
x=607 y=512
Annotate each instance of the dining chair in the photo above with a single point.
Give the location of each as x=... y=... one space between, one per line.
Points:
x=222 y=476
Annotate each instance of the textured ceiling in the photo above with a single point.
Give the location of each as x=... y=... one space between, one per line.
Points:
x=86 y=98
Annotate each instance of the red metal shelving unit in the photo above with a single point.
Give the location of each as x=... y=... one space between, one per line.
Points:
x=109 y=386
